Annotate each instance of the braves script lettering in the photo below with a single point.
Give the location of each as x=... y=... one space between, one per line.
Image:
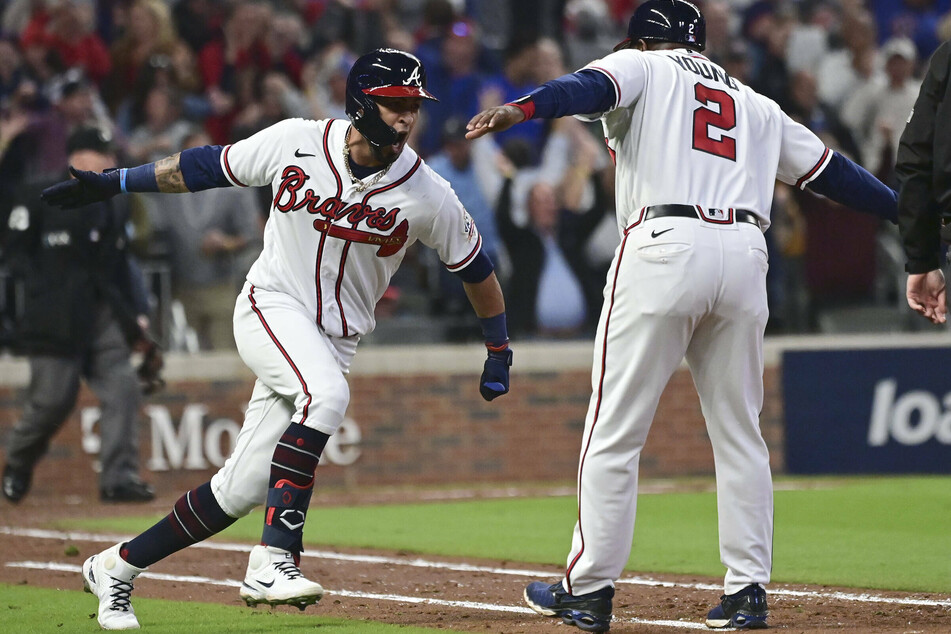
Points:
x=290 y=197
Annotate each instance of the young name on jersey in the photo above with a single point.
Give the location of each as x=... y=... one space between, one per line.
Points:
x=705 y=69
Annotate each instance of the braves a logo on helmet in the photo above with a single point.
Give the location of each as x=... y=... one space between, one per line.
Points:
x=414 y=79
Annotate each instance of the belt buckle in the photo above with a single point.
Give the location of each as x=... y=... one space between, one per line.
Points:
x=716 y=216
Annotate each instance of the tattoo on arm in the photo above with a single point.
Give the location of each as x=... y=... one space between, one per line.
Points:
x=168 y=175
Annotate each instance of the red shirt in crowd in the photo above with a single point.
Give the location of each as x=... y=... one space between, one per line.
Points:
x=87 y=52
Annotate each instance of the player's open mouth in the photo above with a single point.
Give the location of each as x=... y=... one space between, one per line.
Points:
x=400 y=142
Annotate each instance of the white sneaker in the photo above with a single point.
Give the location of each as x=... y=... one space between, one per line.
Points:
x=275 y=579
x=109 y=577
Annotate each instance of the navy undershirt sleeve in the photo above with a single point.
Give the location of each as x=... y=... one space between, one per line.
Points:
x=201 y=168
x=478 y=270
x=853 y=186
x=585 y=92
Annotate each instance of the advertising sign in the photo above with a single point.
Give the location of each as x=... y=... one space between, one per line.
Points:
x=868 y=411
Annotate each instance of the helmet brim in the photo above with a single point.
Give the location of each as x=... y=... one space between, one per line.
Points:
x=399 y=91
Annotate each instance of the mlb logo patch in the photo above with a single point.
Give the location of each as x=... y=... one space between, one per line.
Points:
x=717 y=216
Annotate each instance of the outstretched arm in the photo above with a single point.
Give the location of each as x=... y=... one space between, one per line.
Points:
x=191 y=170
x=168 y=175
x=850 y=184
x=583 y=92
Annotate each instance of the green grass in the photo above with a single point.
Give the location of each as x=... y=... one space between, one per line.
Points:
x=888 y=533
x=28 y=609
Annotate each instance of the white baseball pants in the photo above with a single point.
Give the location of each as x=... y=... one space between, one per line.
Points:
x=698 y=291
x=300 y=378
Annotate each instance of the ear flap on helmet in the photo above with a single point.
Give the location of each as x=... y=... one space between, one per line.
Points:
x=366 y=119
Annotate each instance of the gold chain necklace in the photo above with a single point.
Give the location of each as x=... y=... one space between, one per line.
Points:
x=360 y=185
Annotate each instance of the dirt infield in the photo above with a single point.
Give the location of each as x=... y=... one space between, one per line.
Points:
x=447 y=593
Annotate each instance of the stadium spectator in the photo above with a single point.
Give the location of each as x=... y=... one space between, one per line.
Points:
x=231 y=63
x=877 y=112
x=438 y=18
x=177 y=75
x=772 y=80
x=163 y=131
x=11 y=69
x=324 y=80
x=212 y=237
x=148 y=31
x=39 y=151
x=804 y=106
x=736 y=61
x=809 y=41
x=841 y=72
x=519 y=76
x=197 y=21
x=85 y=308
x=283 y=42
x=757 y=22
x=553 y=290
x=272 y=98
x=719 y=33
x=362 y=26
x=62 y=37
x=458 y=80
x=456 y=163
x=590 y=32
x=235 y=66
x=789 y=298
x=918 y=20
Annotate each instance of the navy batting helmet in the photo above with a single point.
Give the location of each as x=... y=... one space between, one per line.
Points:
x=675 y=21
x=385 y=72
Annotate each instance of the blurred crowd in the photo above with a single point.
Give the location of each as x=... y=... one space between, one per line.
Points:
x=162 y=75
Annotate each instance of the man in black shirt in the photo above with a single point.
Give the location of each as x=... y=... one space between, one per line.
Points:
x=924 y=200
x=84 y=309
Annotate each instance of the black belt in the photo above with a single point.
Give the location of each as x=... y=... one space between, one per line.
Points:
x=689 y=211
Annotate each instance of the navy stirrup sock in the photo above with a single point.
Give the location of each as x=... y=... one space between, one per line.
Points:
x=196 y=516
x=290 y=487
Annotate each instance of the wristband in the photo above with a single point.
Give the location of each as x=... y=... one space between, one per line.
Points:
x=525 y=104
x=138 y=179
x=495 y=332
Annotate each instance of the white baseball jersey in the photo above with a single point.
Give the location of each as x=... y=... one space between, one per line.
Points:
x=329 y=253
x=675 y=103
x=332 y=248
x=685 y=133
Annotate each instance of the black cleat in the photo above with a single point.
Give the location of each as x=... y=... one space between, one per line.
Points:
x=590 y=612
x=16 y=483
x=131 y=491
x=745 y=609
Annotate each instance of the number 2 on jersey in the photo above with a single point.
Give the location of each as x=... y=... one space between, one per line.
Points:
x=704 y=118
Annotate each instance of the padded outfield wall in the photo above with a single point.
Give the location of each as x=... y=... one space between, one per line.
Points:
x=861 y=404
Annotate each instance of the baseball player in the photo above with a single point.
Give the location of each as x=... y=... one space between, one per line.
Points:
x=348 y=198
x=696 y=154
